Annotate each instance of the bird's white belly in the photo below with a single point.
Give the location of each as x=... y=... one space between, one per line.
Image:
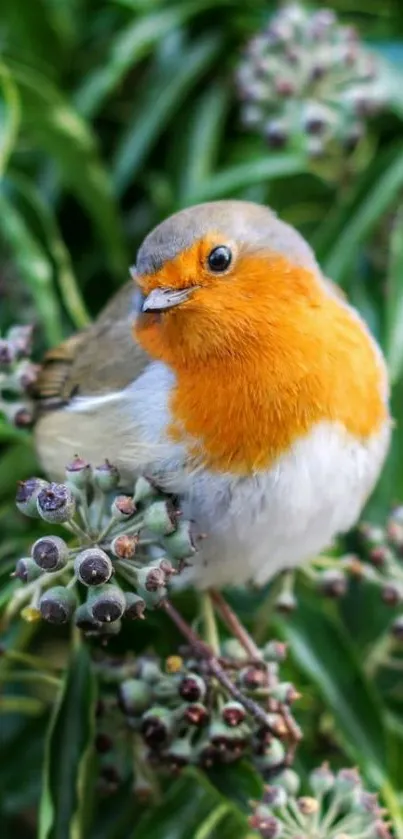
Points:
x=259 y=525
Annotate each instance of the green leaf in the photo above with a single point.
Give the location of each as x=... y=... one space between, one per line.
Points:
x=46 y=219
x=68 y=753
x=60 y=132
x=228 y=181
x=374 y=203
x=239 y=783
x=32 y=31
x=10 y=116
x=163 y=92
x=130 y=47
x=324 y=652
x=394 y=302
x=33 y=264
x=8 y=432
x=202 y=134
x=17 y=462
x=193 y=809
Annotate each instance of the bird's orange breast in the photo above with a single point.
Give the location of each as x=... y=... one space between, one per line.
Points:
x=308 y=359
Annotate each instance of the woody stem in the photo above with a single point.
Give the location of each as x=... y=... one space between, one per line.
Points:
x=234 y=625
x=204 y=651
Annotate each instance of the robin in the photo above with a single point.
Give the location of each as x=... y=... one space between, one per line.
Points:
x=233 y=372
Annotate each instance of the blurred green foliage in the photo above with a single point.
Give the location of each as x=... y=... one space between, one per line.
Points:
x=112 y=115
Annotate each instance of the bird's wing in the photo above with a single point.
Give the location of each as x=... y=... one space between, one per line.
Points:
x=100 y=359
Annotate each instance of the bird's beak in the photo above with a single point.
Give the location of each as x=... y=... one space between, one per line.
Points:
x=161 y=299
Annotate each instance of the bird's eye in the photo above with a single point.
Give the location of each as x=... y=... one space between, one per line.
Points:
x=219 y=259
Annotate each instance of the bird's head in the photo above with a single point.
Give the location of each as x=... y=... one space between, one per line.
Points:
x=216 y=279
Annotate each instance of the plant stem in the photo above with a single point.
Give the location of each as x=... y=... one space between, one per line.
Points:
x=30 y=676
x=209 y=621
x=34 y=661
x=210 y=823
x=21 y=705
x=204 y=651
x=234 y=625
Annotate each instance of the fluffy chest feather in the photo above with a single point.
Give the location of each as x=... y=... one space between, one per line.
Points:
x=239 y=412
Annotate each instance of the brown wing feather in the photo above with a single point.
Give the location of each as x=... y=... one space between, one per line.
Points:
x=101 y=359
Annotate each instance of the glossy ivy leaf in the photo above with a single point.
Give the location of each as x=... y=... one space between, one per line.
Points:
x=67 y=785
x=240 y=783
x=324 y=653
x=193 y=809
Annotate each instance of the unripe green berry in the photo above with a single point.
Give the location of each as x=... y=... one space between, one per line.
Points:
x=226 y=737
x=253 y=677
x=106 y=603
x=93 y=566
x=285 y=693
x=152 y=599
x=150 y=671
x=192 y=688
x=233 y=714
x=392 y=594
x=57 y=604
x=286 y=602
x=288 y=780
x=233 y=649
x=347 y=781
x=123 y=508
x=165 y=690
x=50 y=553
x=273 y=756
x=179 y=752
x=333 y=583
x=180 y=544
x=27 y=495
x=7 y=355
x=397 y=628
x=144 y=490
x=152 y=579
x=134 y=696
x=165 y=565
x=275 y=651
x=110 y=629
x=106 y=476
x=196 y=714
x=125 y=545
x=27 y=570
x=20 y=339
x=78 y=473
x=135 y=606
x=157 y=726
x=275 y=797
x=160 y=518
x=56 y=503
x=265 y=823
x=84 y=620
x=321 y=780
